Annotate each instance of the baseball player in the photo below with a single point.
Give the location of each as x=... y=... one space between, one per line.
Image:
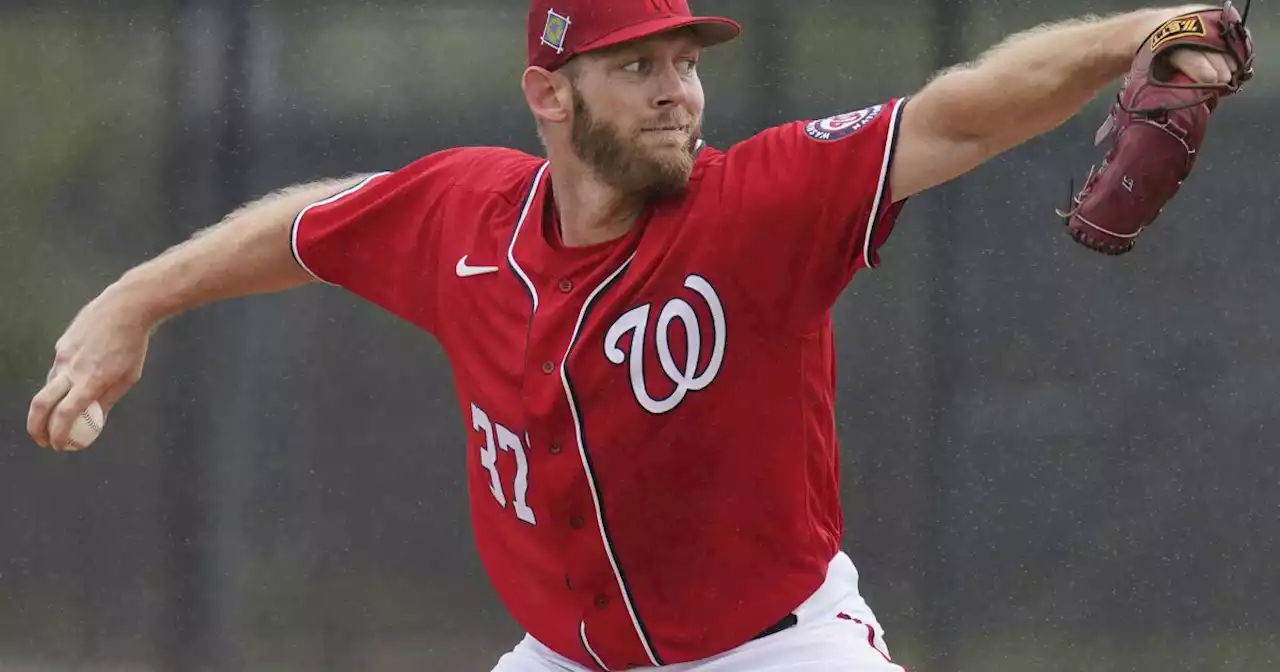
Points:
x=639 y=324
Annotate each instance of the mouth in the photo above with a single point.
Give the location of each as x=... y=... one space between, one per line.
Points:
x=667 y=129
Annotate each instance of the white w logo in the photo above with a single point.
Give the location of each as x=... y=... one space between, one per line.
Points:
x=687 y=379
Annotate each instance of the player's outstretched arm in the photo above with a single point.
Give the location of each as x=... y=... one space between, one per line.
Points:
x=100 y=356
x=1024 y=87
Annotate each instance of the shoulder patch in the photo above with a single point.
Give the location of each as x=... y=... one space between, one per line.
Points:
x=842 y=125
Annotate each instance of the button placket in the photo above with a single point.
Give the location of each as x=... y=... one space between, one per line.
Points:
x=588 y=580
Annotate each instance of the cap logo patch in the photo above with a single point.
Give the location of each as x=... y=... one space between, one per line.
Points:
x=556 y=30
x=841 y=125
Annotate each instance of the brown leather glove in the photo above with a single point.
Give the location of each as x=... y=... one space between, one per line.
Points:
x=1157 y=125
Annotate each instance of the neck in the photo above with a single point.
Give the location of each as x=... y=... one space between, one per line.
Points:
x=590 y=211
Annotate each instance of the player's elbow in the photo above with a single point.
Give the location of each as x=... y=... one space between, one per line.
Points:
x=931 y=151
x=954 y=106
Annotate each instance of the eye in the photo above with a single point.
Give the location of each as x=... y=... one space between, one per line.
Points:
x=688 y=66
x=636 y=67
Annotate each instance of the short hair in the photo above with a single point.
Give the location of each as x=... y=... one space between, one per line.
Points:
x=572 y=69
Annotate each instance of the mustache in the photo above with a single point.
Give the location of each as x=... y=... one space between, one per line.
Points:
x=678 y=122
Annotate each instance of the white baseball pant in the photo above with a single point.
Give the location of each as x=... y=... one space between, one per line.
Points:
x=835 y=630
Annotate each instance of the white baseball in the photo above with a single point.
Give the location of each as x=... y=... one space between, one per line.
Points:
x=87 y=427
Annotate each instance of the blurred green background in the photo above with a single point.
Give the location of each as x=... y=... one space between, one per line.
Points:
x=1053 y=460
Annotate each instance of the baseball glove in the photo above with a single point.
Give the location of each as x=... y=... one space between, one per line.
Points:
x=1156 y=126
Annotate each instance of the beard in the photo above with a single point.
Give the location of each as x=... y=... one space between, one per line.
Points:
x=626 y=163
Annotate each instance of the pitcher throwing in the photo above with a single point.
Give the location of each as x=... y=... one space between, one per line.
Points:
x=639 y=324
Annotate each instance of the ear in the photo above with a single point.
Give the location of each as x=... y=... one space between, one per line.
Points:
x=547 y=94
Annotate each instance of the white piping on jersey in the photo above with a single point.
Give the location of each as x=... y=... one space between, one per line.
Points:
x=582 y=632
x=884 y=182
x=293 y=233
x=586 y=466
x=524 y=214
x=573 y=407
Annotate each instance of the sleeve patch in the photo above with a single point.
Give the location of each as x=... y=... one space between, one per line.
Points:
x=842 y=125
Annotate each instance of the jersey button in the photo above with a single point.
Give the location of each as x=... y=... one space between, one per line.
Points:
x=577 y=522
x=555 y=448
x=566 y=286
x=602 y=601
x=548 y=367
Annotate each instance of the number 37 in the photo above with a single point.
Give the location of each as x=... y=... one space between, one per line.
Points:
x=508 y=442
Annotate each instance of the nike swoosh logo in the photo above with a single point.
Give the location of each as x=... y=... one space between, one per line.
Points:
x=465 y=271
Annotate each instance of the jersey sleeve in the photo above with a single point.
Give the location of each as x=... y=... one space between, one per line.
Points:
x=380 y=239
x=813 y=206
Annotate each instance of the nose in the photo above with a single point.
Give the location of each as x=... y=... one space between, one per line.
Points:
x=672 y=89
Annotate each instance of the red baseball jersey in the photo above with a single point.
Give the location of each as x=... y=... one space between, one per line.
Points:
x=652 y=463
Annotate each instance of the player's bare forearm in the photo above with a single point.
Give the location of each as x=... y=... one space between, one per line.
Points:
x=100 y=356
x=1023 y=87
x=1036 y=80
x=248 y=252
